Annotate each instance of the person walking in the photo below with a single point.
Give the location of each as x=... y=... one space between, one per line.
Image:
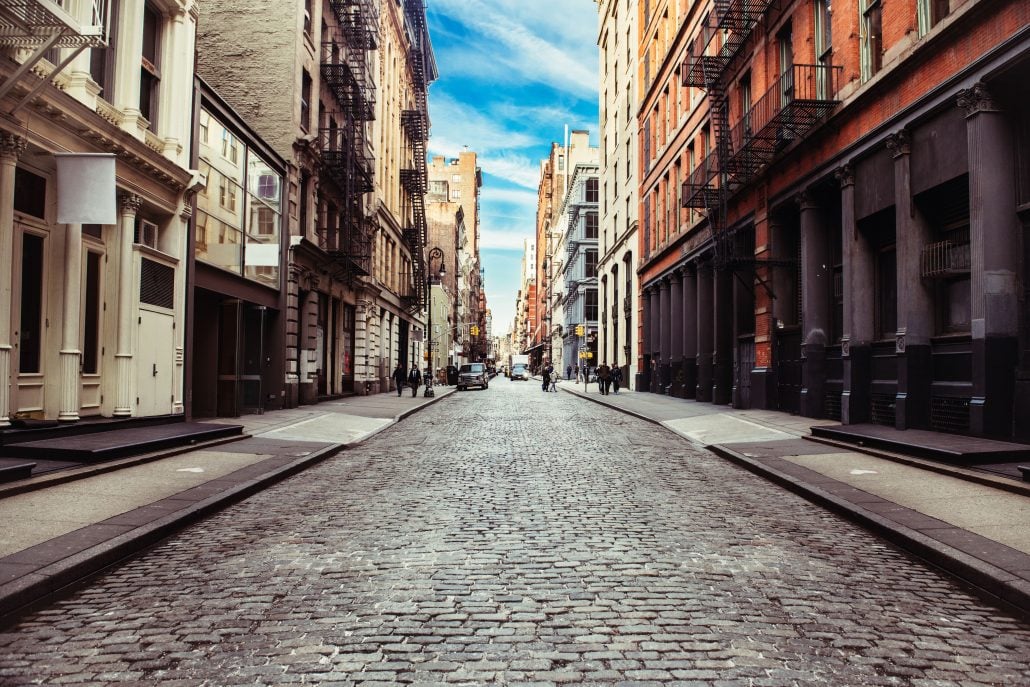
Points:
x=568 y=372
x=616 y=378
x=604 y=378
x=575 y=371
x=414 y=380
x=554 y=381
x=548 y=369
x=399 y=378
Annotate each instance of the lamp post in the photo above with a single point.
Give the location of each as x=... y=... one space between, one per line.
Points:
x=434 y=253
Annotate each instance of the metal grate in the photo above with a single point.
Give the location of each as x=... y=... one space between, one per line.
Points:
x=156 y=284
x=949 y=414
x=831 y=407
x=881 y=409
x=945 y=258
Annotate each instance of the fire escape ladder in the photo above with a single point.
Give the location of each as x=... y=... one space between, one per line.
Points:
x=415 y=180
x=344 y=145
x=42 y=26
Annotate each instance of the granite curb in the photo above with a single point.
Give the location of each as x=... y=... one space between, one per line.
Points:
x=47 y=583
x=1007 y=588
x=1002 y=586
x=39 y=586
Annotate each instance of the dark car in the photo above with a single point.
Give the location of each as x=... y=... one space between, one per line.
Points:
x=473 y=374
x=519 y=371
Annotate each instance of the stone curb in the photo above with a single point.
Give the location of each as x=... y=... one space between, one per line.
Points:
x=988 y=580
x=49 y=583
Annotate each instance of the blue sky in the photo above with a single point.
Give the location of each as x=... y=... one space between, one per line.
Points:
x=513 y=74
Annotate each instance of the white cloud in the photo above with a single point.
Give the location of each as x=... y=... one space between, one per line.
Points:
x=531 y=40
x=518 y=169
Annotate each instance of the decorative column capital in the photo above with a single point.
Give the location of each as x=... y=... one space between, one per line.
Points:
x=11 y=145
x=845 y=174
x=805 y=200
x=130 y=203
x=977 y=99
x=899 y=143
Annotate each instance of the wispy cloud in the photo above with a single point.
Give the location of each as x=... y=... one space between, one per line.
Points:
x=513 y=74
x=529 y=38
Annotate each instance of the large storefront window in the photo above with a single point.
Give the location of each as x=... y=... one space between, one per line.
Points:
x=240 y=211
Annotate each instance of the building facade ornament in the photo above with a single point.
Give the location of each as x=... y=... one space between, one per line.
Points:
x=977 y=99
x=899 y=143
x=845 y=174
x=11 y=145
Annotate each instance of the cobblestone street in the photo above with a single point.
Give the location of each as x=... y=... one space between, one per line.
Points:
x=513 y=537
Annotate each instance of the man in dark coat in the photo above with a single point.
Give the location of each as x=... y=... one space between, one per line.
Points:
x=414 y=381
x=400 y=377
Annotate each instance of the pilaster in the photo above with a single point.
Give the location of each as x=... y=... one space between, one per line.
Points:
x=11 y=147
x=855 y=343
x=70 y=353
x=816 y=288
x=129 y=205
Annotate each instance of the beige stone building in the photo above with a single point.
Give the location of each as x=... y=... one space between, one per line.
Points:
x=92 y=291
x=351 y=122
x=617 y=262
x=398 y=293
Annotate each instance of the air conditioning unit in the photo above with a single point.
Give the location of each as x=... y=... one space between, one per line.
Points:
x=147 y=235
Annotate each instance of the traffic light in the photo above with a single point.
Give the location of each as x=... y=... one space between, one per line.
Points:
x=474 y=330
x=580 y=330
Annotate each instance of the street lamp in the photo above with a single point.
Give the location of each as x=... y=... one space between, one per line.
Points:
x=433 y=253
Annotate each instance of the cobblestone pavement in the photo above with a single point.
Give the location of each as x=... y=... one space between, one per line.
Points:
x=513 y=537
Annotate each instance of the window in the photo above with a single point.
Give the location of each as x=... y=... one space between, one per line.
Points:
x=307 y=17
x=745 y=104
x=230 y=147
x=29 y=193
x=102 y=60
x=872 y=38
x=591 y=196
x=268 y=187
x=30 y=331
x=91 y=323
x=455 y=195
x=437 y=191
x=591 y=225
x=823 y=46
x=305 y=101
x=785 y=40
x=227 y=194
x=205 y=126
x=886 y=292
x=930 y=13
x=150 y=75
x=590 y=307
x=591 y=265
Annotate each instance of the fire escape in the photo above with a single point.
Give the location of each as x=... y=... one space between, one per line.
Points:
x=42 y=26
x=344 y=144
x=414 y=179
x=800 y=97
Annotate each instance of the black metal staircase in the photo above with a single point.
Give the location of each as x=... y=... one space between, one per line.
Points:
x=344 y=145
x=800 y=97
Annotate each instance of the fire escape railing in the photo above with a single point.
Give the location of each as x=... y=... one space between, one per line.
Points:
x=344 y=145
x=415 y=179
x=801 y=97
x=42 y=25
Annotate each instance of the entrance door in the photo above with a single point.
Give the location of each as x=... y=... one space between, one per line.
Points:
x=788 y=369
x=228 y=358
x=253 y=365
x=155 y=366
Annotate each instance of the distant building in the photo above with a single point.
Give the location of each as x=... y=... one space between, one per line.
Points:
x=577 y=305
x=617 y=244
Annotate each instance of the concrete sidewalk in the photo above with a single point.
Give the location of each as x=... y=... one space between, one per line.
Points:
x=62 y=527
x=971 y=523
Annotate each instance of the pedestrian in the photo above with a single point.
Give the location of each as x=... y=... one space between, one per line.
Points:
x=414 y=380
x=568 y=372
x=554 y=381
x=616 y=378
x=548 y=369
x=604 y=378
x=575 y=371
x=400 y=377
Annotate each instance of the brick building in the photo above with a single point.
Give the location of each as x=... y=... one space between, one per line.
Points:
x=834 y=209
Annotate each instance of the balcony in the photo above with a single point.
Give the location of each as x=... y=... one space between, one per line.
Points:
x=798 y=100
x=358 y=19
x=350 y=245
x=414 y=123
x=346 y=159
x=347 y=83
x=36 y=23
x=720 y=40
x=413 y=181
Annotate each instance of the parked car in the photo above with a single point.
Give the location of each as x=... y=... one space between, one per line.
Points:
x=473 y=374
x=519 y=371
